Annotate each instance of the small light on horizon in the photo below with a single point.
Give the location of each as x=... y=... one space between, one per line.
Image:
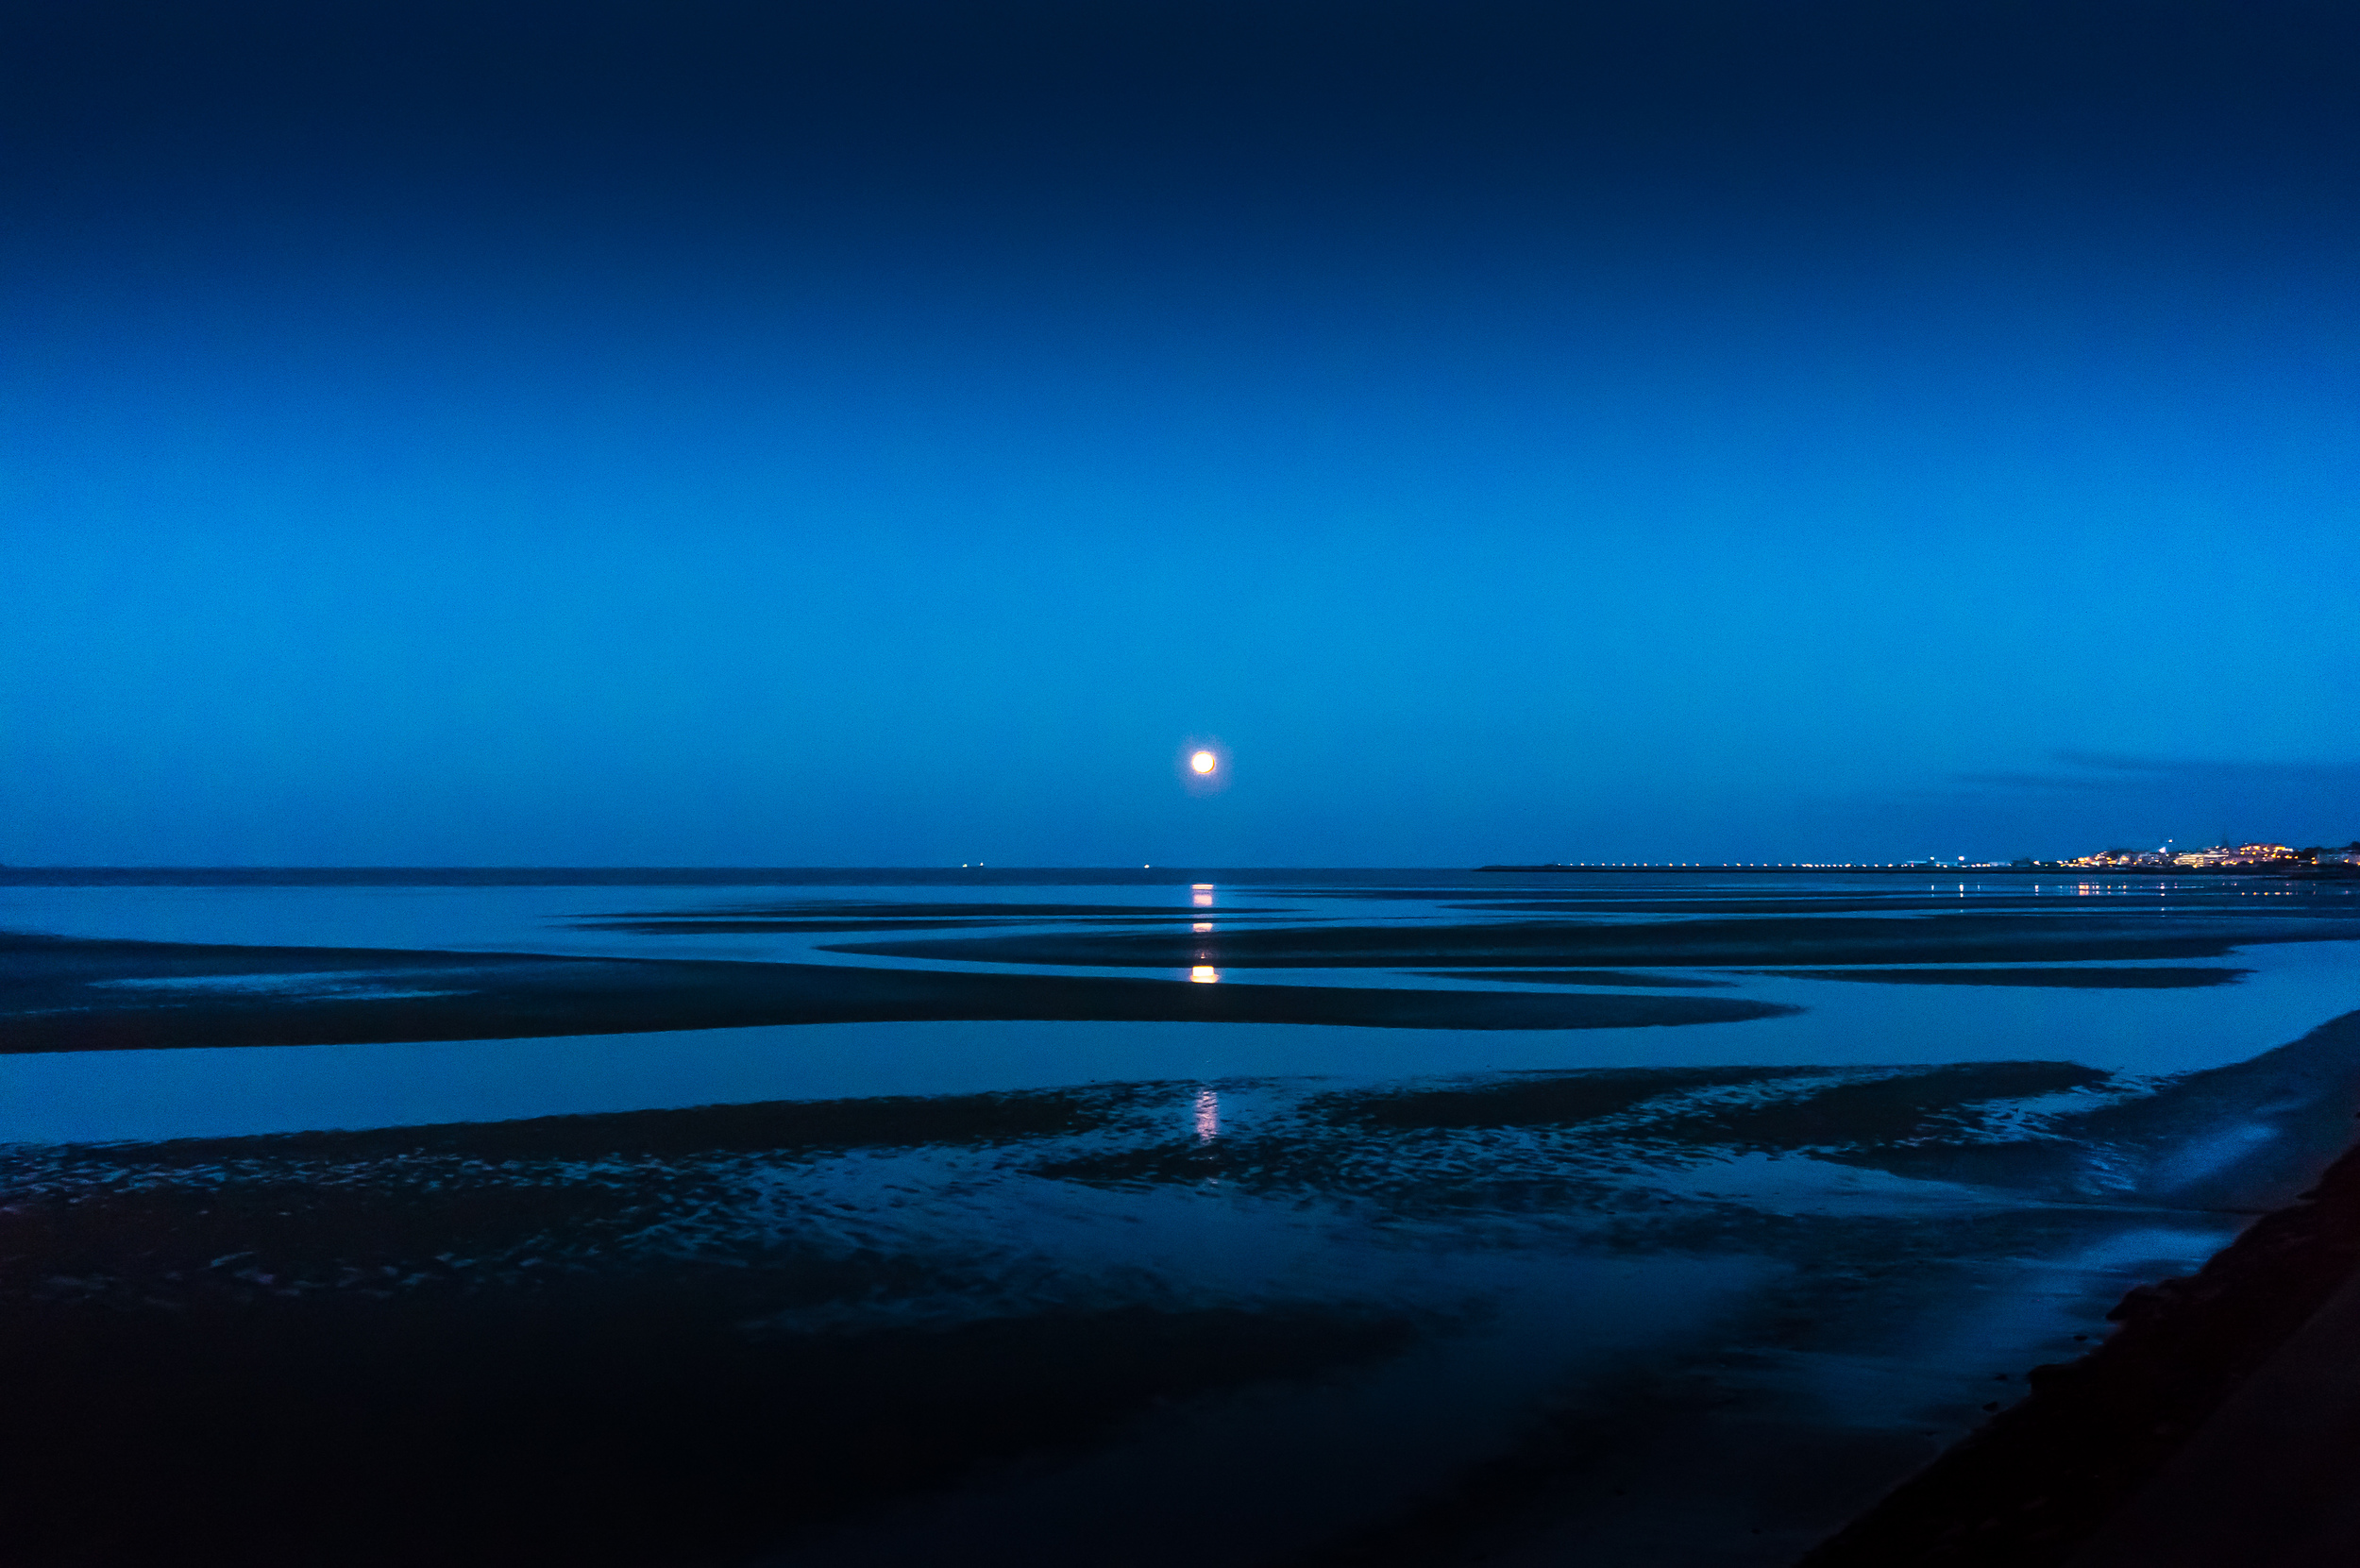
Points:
x=1204 y=974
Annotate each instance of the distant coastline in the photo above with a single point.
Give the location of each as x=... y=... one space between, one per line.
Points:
x=2298 y=871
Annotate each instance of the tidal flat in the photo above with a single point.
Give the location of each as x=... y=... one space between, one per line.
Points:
x=1321 y=1279
x=1960 y=938
x=76 y=995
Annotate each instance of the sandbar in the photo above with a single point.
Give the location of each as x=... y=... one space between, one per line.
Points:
x=2113 y=978
x=1977 y=939
x=67 y=994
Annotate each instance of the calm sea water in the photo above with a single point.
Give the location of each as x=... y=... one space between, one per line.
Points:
x=1717 y=1314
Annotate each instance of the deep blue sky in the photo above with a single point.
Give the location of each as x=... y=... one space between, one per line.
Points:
x=884 y=432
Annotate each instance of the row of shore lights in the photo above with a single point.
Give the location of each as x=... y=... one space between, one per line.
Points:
x=1761 y=865
x=1735 y=864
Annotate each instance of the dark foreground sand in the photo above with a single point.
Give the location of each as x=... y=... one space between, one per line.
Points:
x=540 y=1343
x=663 y=1337
x=64 y=994
x=659 y=1338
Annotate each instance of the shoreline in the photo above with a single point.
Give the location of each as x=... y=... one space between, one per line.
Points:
x=2302 y=871
x=2083 y=1460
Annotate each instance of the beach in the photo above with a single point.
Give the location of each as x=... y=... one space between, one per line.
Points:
x=558 y=1223
x=2138 y=1452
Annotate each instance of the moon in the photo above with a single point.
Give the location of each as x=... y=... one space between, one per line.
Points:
x=1202 y=763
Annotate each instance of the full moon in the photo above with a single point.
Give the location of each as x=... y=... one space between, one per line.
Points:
x=1203 y=762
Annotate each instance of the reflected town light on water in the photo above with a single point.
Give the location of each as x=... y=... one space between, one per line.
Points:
x=1207 y=1116
x=1201 y=927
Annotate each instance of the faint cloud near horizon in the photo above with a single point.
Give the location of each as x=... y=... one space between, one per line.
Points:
x=2071 y=801
x=1998 y=780
x=2098 y=770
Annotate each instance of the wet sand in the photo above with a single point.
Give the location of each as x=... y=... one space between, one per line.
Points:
x=659 y=1337
x=1979 y=939
x=571 y=1341
x=2118 y=979
x=2067 y=1466
x=695 y=1336
x=64 y=994
x=875 y=915
x=665 y=1336
x=1578 y=977
x=2107 y=978
x=1891 y=1119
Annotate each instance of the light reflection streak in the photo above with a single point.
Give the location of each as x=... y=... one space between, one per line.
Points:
x=1207 y=1116
x=1204 y=974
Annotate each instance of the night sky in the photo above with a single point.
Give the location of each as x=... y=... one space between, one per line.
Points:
x=888 y=433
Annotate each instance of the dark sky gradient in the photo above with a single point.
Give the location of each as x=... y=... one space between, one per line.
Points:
x=884 y=432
